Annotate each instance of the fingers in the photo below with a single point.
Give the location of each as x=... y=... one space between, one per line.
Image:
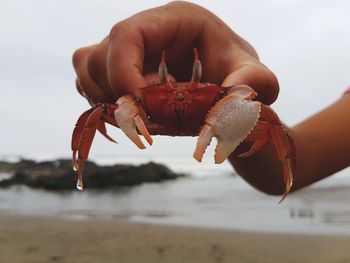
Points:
x=125 y=55
x=85 y=84
x=135 y=46
x=98 y=69
x=117 y=65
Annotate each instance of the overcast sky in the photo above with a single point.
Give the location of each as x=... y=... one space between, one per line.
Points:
x=305 y=42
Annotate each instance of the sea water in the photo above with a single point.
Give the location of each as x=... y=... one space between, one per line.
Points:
x=209 y=196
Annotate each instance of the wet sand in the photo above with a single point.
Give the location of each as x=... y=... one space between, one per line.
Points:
x=30 y=239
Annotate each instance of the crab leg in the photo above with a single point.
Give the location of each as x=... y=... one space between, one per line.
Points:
x=101 y=127
x=78 y=131
x=230 y=121
x=86 y=138
x=126 y=116
x=269 y=128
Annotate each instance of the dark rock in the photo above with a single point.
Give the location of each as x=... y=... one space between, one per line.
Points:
x=59 y=175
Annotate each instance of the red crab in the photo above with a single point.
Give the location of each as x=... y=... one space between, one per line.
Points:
x=187 y=109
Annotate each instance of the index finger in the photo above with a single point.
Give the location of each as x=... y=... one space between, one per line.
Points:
x=125 y=61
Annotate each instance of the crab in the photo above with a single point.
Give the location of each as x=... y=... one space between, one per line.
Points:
x=191 y=108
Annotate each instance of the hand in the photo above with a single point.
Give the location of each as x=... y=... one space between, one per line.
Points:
x=126 y=60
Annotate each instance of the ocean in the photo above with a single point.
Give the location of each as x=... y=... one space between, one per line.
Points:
x=209 y=196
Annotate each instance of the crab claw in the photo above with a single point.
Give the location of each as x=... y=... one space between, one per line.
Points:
x=128 y=118
x=230 y=121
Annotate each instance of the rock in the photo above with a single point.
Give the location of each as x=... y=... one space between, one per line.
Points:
x=59 y=175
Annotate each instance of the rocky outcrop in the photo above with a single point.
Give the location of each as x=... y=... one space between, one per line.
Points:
x=58 y=175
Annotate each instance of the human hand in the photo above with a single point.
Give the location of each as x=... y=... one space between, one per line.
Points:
x=128 y=58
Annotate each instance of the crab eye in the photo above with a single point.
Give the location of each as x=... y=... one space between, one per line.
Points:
x=197 y=68
x=162 y=70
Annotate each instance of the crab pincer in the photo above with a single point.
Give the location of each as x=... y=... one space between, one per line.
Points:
x=230 y=121
x=124 y=114
x=237 y=118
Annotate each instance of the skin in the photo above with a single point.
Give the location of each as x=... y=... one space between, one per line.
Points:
x=128 y=58
x=124 y=61
x=322 y=149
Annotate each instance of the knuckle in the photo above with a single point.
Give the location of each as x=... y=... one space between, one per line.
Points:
x=181 y=3
x=78 y=57
x=182 y=6
x=118 y=29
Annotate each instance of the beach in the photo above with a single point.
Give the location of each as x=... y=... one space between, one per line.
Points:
x=46 y=239
x=202 y=217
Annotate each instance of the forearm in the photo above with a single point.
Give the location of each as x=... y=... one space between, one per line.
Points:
x=262 y=170
x=322 y=148
x=323 y=141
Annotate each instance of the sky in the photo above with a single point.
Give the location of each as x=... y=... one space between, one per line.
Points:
x=306 y=43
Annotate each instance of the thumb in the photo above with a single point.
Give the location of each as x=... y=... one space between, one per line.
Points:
x=257 y=76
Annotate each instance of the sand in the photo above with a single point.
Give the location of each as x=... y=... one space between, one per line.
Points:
x=30 y=239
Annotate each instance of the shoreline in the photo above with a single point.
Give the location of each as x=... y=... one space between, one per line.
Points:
x=209 y=202
x=47 y=239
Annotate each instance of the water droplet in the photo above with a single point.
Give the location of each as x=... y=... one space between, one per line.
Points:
x=80 y=185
